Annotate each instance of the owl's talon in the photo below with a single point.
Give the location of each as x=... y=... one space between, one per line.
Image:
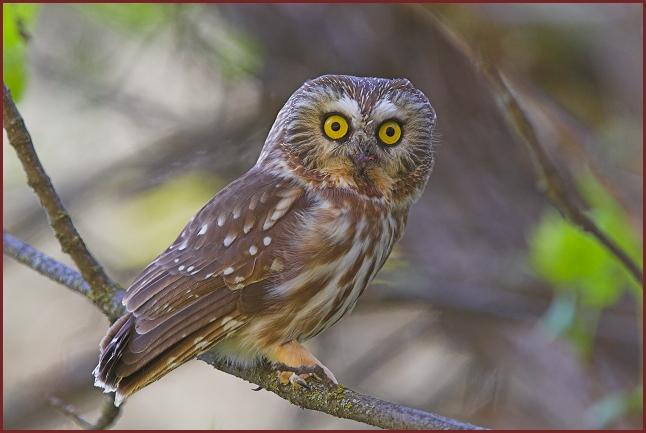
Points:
x=291 y=360
x=299 y=380
x=287 y=377
x=323 y=374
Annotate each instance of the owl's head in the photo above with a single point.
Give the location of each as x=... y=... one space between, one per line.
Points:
x=370 y=135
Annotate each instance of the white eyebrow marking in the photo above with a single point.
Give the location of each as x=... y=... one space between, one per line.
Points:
x=384 y=110
x=203 y=229
x=266 y=240
x=346 y=105
x=228 y=271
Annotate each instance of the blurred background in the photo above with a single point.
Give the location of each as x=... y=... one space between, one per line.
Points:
x=493 y=309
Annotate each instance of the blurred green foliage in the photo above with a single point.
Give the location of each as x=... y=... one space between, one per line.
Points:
x=17 y=19
x=613 y=406
x=133 y=17
x=586 y=277
x=149 y=221
x=232 y=52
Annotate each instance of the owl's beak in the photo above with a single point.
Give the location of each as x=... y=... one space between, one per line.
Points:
x=361 y=159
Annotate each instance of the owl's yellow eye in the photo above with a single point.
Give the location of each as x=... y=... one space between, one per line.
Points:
x=335 y=127
x=390 y=132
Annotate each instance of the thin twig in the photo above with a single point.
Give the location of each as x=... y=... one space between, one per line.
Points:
x=102 y=287
x=550 y=175
x=43 y=264
x=335 y=400
x=547 y=171
x=109 y=414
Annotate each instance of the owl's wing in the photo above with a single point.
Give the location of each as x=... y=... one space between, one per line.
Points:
x=187 y=298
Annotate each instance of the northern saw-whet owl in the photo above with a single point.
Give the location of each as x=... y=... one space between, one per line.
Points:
x=285 y=250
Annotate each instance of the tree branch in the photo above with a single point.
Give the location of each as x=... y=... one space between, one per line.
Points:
x=335 y=400
x=101 y=286
x=550 y=175
x=547 y=171
x=109 y=414
x=95 y=285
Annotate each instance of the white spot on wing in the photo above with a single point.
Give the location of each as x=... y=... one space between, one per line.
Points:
x=247 y=227
x=229 y=239
x=253 y=202
x=227 y=271
x=221 y=219
x=266 y=240
x=268 y=223
x=253 y=250
x=203 y=229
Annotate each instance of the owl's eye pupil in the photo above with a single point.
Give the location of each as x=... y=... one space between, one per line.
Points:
x=335 y=126
x=390 y=131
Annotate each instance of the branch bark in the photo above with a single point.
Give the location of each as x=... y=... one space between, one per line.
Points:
x=101 y=286
x=94 y=284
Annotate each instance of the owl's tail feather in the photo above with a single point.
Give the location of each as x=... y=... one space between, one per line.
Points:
x=124 y=369
x=112 y=348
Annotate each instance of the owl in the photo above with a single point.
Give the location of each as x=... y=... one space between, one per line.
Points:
x=283 y=252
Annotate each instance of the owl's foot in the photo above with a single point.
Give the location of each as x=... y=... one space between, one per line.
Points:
x=295 y=365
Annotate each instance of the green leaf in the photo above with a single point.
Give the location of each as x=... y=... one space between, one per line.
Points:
x=573 y=260
x=16 y=18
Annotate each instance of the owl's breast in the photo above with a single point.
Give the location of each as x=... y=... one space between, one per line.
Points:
x=342 y=244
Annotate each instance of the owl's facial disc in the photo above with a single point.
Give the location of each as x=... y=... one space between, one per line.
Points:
x=369 y=134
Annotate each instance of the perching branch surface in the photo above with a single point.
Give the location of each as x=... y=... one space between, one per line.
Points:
x=101 y=286
x=95 y=285
x=335 y=400
x=547 y=171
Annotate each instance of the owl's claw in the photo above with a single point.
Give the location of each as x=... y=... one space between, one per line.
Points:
x=298 y=376
x=295 y=365
x=296 y=380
